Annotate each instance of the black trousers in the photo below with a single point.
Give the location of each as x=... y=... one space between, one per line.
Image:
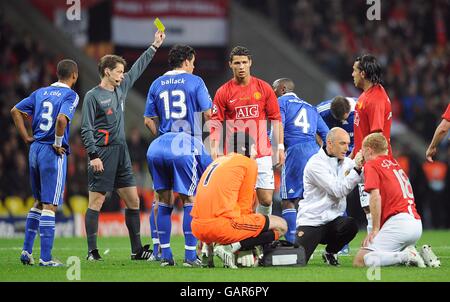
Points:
x=335 y=234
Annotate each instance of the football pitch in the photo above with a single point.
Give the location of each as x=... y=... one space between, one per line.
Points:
x=117 y=266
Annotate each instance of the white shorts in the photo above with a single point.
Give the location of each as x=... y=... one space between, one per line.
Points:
x=398 y=232
x=265 y=173
x=364 y=197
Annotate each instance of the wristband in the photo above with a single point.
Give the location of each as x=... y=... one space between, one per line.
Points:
x=154 y=47
x=280 y=146
x=58 y=140
x=93 y=155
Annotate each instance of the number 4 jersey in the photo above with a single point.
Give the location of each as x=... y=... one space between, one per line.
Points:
x=177 y=98
x=301 y=121
x=44 y=105
x=384 y=173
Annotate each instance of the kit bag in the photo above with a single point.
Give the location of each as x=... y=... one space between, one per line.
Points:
x=283 y=253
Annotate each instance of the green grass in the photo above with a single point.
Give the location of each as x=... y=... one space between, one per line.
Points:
x=118 y=267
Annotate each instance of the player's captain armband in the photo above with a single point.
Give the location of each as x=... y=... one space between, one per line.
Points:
x=159 y=25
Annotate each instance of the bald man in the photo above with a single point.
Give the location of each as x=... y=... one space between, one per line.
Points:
x=328 y=178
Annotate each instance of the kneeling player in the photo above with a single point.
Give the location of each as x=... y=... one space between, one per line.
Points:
x=223 y=212
x=396 y=225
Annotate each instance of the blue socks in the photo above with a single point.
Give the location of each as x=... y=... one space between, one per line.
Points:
x=47 y=232
x=290 y=215
x=164 y=222
x=31 y=229
x=190 y=242
x=154 y=231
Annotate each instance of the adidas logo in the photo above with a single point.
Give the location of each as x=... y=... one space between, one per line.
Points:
x=291 y=191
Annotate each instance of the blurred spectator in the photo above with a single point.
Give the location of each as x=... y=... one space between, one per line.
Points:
x=411 y=42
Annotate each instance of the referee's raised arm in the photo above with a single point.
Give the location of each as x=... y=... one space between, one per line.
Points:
x=142 y=62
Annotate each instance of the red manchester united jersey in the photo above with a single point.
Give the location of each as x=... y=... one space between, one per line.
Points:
x=372 y=114
x=246 y=108
x=384 y=173
x=446 y=114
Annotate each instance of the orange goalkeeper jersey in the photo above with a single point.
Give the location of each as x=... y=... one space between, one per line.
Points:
x=227 y=188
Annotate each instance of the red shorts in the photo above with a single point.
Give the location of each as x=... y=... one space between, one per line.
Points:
x=228 y=230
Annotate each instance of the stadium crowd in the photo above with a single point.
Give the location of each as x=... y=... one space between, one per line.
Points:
x=412 y=46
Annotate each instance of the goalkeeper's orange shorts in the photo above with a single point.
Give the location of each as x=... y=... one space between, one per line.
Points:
x=224 y=230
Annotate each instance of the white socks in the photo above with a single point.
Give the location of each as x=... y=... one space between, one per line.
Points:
x=385 y=258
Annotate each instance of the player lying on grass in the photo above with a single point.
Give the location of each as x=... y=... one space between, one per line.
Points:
x=223 y=210
x=396 y=225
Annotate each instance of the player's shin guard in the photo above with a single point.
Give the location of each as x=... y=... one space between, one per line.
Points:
x=133 y=222
x=164 y=222
x=154 y=230
x=31 y=229
x=290 y=215
x=47 y=233
x=190 y=242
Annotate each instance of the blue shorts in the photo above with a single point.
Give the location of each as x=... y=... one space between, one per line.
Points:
x=292 y=172
x=176 y=161
x=47 y=173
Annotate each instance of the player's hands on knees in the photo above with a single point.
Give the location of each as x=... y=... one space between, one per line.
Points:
x=369 y=238
x=59 y=150
x=97 y=165
x=159 y=38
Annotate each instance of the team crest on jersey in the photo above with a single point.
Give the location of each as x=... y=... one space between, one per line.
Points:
x=244 y=112
x=359 y=105
x=257 y=95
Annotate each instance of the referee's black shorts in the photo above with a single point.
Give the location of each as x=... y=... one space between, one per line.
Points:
x=118 y=172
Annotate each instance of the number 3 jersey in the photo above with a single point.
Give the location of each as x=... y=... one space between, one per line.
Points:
x=177 y=98
x=384 y=173
x=44 y=105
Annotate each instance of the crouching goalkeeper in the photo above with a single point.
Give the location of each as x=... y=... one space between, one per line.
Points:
x=223 y=210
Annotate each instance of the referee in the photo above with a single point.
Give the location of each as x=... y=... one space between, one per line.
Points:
x=103 y=134
x=328 y=178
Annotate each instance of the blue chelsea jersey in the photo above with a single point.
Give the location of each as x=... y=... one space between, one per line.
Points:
x=178 y=99
x=44 y=105
x=301 y=121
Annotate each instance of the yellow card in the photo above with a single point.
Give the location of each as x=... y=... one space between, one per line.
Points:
x=159 y=25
